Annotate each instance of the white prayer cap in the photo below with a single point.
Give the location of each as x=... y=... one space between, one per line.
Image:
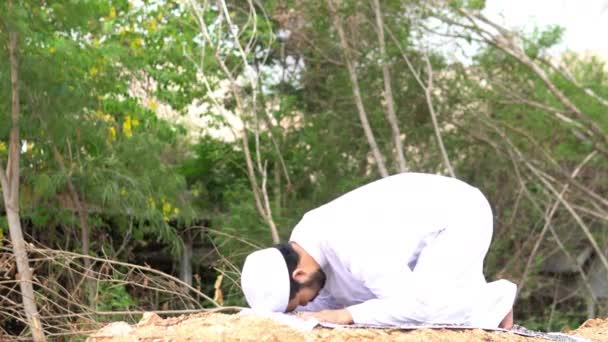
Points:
x=265 y=280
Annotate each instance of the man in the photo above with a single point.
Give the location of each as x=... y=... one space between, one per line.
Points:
x=404 y=249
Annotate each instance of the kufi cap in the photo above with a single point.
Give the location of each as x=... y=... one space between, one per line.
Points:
x=265 y=280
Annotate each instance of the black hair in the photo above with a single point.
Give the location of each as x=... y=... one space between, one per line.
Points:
x=292 y=259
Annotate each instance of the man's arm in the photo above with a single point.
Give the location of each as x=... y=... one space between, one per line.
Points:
x=324 y=301
x=340 y=316
x=325 y=309
x=398 y=298
x=394 y=305
x=486 y=306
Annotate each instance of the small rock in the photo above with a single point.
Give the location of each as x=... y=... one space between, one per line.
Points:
x=113 y=330
x=149 y=318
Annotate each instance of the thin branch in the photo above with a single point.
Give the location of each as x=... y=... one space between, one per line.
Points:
x=514 y=150
x=505 y=42
x=140 y=312
x=352 y=72
x=586 y=231
x=548 y=218
x=428 y=91
x=198 y=14
x=3 y=179
x=388 y=90
x=119 y=263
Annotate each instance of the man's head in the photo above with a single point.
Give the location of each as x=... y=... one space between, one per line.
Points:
x=280 y=278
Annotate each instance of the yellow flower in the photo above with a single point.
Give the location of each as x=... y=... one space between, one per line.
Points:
x=167 y=209
x=52 y=50
x=104 y=116
x=153 y=105
x=166 y=206
x=152 y=25
x=112 y=14
x=2 y=146
x=93 y=71
x=175 y=211
x=111 y=133
x=151 y=202
x=127 y=126
x=136 y=43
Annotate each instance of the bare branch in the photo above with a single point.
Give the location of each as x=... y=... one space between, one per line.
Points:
x=506 y=43
x=388 y=90
x=352 y=71
x=559 y=197
x=241 y=108
x=428 y=92
x=427 y=88
x=514 y=154
x=548 y=218
x=3 y=179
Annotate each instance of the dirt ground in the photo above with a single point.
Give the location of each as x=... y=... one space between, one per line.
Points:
x=223 y=327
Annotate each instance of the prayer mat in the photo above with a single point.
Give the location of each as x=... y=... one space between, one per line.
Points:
x=295 y=322
x=517 y=329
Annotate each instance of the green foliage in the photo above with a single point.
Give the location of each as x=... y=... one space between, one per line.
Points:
x=468 y=4
x=114 y=298
x=543 y=39
x=476 y=4
x=3 y=225
x=77 y=64
x=562 y=319
x=95 y=74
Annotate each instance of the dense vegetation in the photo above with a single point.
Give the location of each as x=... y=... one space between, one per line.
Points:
x=183 y=134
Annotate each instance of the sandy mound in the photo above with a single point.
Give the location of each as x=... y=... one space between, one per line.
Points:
x=593 y=329
x=222 y=327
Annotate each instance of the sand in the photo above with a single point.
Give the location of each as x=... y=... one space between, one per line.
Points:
x=223 y=327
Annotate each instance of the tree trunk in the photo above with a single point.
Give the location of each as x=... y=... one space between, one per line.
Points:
x=428 y=93
x=186 y=262
x=84 y=227
x=357 y=93
x=267 y=215
x=10 y=192
x=388 y=90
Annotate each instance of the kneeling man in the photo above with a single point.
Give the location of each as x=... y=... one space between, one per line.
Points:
x=406 y=249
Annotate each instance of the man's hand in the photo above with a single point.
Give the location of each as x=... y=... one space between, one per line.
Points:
x=341 y=316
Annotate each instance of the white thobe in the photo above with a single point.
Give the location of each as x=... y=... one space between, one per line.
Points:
x=406 y=249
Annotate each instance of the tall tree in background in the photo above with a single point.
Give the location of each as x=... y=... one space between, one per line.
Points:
x=87 y=148
x=99 y=166
x=9 y=180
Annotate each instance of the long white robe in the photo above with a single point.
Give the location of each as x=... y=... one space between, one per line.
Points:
x=406 y=249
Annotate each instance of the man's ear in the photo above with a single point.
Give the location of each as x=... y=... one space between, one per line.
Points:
x=299 y=275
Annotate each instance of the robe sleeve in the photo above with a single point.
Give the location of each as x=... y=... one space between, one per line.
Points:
x=396 y=300
x=324 y=301
x=403 y=296
x=444 y=287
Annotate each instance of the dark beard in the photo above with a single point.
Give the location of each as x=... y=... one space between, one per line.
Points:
x=317 y=280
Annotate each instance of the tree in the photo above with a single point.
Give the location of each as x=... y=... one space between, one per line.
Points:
x=84 y=145
x=9 y=180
